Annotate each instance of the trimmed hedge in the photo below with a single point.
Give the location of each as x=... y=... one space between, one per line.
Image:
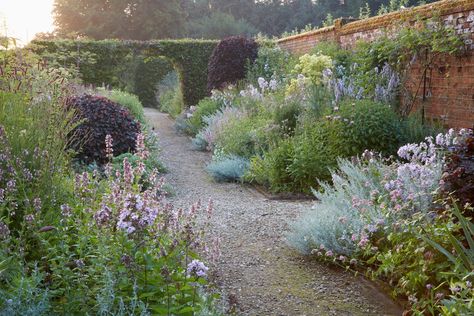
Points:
x=149 y=72
x=106 y=61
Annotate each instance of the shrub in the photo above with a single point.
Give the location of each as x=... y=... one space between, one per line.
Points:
x=270 y=169
x=205 y=107
x=368 y=125
x=312 y=67
x=458 y=178
x=228 y=61
x=272 y=63
x=217 y=123
x=332 y=221
x=149 y=72
x=127 y=100
x=171 y=101
x=100 y=117
x=228 y=168
x=245 y=136
x=316 y=145
x=109 y=60
x=341 y=57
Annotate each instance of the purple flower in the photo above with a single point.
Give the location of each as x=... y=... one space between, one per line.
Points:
x=29 y=218
x=109 y=147
x=11 y=186
x=197 y=268
x=4 y=231
x=37 y=204
x=66 y=210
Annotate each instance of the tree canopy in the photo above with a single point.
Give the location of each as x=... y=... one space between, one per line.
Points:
x=158 y=19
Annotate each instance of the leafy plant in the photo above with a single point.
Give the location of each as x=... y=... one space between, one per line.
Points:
x=127 y=100
x=204 y=108
x=228 y=61
x=100 y=117
x=228 y=168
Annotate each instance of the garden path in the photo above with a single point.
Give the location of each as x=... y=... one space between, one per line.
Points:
x=257 y=272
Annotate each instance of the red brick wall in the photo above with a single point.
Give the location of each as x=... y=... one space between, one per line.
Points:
x=450 y=81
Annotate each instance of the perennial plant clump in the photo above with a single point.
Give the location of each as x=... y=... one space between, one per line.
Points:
x=376 y=211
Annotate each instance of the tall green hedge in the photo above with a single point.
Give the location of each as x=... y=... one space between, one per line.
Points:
x=110 y=61
x=148 y=73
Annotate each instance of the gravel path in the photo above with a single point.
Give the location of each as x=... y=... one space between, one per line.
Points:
x=258 y=273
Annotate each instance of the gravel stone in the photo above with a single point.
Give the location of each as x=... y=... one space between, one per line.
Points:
x=258 y=273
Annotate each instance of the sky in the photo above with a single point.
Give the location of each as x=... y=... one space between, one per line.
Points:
x=25 y=18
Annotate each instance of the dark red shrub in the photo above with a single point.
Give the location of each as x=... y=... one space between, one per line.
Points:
x=229 y=60
x=459 y=173
x=100 y=117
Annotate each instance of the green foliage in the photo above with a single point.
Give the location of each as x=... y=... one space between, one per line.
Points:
x=424 y=43
x=228 y=168
x=127 y=100
x=109 y=59
x=219 y=25
x=369 y=125
x=171 y=101
x=270 y=169
x=272 y=63
x=25 y=296
x=139 y=20
x=312 y=67
x=34 y=128
x=205 y=107
x=246 y=136
x=340 y=56
x=149 y=72
x=298 y=163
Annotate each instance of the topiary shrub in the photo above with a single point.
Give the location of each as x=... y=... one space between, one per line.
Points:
x=97 y=118
x=229 y=61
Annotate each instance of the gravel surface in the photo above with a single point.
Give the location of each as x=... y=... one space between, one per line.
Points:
x=257 y=272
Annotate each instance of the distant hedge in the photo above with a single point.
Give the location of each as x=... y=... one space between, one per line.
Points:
x=149 y=72
x=109 y=61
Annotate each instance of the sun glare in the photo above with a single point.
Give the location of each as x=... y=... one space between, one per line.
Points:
x=22 y=19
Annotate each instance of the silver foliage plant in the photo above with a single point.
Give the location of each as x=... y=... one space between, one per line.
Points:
x=370 y=195
x=329 y=225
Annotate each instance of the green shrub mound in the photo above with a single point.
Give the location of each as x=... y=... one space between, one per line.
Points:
x=99 y=117
x=204 y=108
x=228 y=169
x=296 y=164
x=229 y=60
x=127 y=100
x=149 y=72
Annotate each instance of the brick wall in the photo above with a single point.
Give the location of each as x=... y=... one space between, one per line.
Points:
x=450 y=81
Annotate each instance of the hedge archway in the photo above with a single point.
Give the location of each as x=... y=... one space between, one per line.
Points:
x=104 y=61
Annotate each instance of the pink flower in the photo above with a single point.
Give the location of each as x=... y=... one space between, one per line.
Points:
x=329 y=253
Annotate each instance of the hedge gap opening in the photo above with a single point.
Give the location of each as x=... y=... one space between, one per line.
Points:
x=111 y=62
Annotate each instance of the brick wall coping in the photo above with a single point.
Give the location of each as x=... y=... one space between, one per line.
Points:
x=444 y=7
x=307 y=34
